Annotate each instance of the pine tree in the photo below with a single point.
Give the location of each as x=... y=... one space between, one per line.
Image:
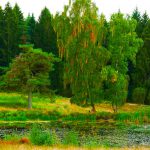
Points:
x=28 y=75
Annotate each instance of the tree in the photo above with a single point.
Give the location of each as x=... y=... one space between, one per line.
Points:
x=137 y=72
x=8 y=32
x=123 y=45
x=18 y=29
x=142 y=71
x=1 y=28
x=31 y=24
x=45 y=37
x=81 y=35
x=13 y=31
x=2 y=52
x=29 y=72
x=137 y=16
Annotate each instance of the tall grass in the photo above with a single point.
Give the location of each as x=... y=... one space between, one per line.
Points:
x=38 y=136
x=71 y=138
x=138 y=117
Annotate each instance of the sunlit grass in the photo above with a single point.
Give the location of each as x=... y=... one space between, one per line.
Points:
x=13 y=107
x=6 y=146
x=14 y=101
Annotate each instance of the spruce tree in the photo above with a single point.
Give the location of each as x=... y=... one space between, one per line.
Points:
x=8 y=32
x=30 y=24
x=45 y=38
x=18 y=20
x=141 y=75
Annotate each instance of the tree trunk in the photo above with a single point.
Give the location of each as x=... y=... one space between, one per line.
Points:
x=146 y=97
x=93 y=109
x=30 y=99
x=115 y=108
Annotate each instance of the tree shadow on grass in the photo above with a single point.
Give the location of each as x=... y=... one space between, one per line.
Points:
x=13 y=104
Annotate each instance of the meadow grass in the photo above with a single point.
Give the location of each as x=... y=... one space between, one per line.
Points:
x=6 y=146
x=13 y=107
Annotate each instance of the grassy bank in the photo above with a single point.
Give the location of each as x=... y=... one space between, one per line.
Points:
x=7 y=146
x=60 y=113
x=13 y=107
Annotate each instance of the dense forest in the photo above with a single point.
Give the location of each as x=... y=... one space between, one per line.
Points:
x=77 y=54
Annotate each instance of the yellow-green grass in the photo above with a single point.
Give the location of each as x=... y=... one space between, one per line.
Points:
x=31 y=147
x=13 y=107
x=14 y=101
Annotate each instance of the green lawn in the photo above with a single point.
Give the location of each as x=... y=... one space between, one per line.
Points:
x=13 y=107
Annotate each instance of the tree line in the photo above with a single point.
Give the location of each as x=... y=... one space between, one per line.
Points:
x=98 y=59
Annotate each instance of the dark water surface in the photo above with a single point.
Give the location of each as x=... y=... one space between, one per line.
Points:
x=101 y=134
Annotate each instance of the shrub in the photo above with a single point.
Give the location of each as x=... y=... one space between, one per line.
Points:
x=71 y=138
x=138 y=95
x=40 y=137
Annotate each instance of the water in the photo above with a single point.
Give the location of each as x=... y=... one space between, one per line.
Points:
x=100 y=134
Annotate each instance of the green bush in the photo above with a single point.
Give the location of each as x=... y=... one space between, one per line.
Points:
x=138 y=95
x=39 y=136
x=71 y=138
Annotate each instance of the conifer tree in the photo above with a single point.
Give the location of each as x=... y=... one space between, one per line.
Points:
x=8 y=32
x=45 y=38
x=29 y=72
x=141 y=75
x=2 y=53
x=18 y=20
x=30 y=24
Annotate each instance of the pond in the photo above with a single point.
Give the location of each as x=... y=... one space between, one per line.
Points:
x=98 y=134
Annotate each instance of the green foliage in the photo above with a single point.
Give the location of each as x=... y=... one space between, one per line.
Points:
x=30 y=27
x=11 y=31
x=39 y=136
x=29 y=75
x=71 y=138
x=139 y=73
x=122 y=34
x=44 y=37
x=136 y=117
x=139 y=95
x=84 y=52
x=12 y=137
x=13 y=116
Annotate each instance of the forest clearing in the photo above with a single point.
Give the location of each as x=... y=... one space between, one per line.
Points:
x=76 y=78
